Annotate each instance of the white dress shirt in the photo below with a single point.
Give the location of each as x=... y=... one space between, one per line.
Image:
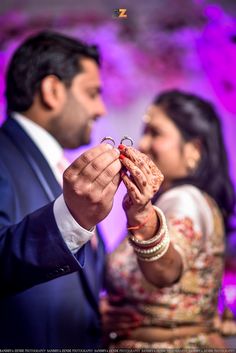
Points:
x=73 y=234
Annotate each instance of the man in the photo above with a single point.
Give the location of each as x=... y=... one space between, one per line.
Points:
x=49 y=298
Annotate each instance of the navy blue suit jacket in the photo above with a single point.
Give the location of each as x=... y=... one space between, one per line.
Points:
x=48 y=300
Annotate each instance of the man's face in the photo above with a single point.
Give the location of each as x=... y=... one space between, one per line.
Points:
x=83 y=105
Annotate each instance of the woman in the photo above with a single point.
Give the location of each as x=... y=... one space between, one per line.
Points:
x=163 y=280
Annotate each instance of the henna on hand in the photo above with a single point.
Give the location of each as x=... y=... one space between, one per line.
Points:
x=143 y=177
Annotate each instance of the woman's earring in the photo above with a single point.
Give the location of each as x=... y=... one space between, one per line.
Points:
x=192 y=164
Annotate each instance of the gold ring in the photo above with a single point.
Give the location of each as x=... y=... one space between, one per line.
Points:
x=109 y=140
x=127 y=138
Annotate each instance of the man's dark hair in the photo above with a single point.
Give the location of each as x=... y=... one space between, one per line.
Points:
x=47 y=53
x=196 y=118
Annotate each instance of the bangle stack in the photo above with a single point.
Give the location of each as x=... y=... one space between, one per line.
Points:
x=154 y=248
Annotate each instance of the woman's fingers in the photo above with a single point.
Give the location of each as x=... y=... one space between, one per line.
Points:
x=134 y=193
x=144 y=177
x=138 y=176
x=120 y=319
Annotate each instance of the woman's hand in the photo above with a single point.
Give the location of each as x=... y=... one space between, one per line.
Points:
x=118 y=321
x=142 y=179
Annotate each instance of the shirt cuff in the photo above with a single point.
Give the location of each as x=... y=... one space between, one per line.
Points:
x=73 y=234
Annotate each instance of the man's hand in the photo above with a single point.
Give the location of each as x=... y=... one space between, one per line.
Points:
x=90 y=183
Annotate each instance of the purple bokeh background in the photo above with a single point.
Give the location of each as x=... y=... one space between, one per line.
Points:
x=186 y=44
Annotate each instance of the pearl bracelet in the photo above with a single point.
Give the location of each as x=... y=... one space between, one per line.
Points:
x=154 y=249
x=156 y=257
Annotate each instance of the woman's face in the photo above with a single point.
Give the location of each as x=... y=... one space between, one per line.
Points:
x=163 y=143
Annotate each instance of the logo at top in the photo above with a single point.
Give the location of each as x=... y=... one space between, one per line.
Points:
x=120 y=13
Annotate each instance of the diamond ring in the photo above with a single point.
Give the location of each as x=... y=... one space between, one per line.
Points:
x=109 y=140
x=127 y=138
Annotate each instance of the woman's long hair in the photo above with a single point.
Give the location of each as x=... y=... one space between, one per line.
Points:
x=197 y=120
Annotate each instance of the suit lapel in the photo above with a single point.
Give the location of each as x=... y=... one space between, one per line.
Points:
x=34 y=157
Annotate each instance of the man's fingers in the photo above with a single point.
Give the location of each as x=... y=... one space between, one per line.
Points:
x=102 y=165
x=108 y=175
x=87 y=157
x=86 y=179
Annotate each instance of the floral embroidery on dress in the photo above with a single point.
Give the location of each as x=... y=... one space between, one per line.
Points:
x=193 y=300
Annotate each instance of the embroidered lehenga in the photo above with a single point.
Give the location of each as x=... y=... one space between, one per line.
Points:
x=196 y=230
